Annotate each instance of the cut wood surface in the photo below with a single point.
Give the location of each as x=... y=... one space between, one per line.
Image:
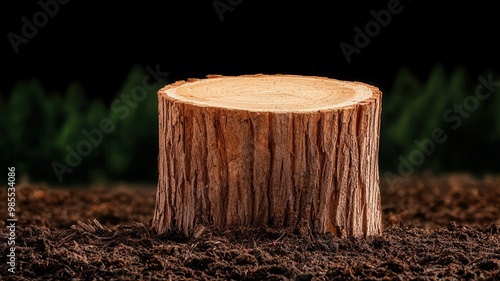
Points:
x=269 y=150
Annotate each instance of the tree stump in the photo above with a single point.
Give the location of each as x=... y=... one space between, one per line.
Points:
x=282 y=151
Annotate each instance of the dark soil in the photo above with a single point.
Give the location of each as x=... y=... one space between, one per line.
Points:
x=435 y=228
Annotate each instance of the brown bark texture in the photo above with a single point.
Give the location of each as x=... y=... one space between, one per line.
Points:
x=222 y=167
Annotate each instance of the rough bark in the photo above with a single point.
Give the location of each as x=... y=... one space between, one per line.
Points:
x=223 y=167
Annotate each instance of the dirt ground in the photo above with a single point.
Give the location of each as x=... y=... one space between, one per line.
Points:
x=445 y=227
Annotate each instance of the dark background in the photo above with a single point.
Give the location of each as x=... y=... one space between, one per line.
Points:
x=97 y=44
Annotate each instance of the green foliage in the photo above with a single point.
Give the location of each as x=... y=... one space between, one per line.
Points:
x=413 y=111
x=43 y=128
